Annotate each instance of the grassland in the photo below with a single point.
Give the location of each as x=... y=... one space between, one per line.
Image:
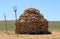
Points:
x=10 y=25
x=54 y=27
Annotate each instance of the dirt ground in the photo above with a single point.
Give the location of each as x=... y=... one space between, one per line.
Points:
x=54 y=35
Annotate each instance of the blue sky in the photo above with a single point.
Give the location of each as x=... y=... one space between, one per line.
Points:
x=49 y=8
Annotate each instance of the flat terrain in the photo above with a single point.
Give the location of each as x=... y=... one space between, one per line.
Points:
x=54 y=27
x=54 y=35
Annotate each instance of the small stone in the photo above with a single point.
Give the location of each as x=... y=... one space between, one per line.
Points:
x=22 y=20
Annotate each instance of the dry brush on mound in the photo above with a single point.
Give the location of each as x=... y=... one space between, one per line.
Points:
x=31 y=21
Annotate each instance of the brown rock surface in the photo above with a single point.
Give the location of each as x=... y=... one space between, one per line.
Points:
x=31 y=21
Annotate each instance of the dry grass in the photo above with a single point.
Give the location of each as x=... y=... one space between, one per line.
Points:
x=53 y=26
x=54 y=35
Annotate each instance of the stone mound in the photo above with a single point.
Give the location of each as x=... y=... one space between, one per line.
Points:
x=31 y=21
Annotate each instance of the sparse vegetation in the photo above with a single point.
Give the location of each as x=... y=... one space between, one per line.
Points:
x=54 y=27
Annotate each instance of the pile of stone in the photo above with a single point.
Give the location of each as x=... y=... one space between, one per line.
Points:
x=31 y=22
